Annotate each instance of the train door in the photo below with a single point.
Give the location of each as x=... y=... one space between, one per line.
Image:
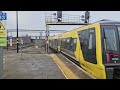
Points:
x=90 y=49
x=88 y=45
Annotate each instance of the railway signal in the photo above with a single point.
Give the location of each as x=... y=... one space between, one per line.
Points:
x=59 y=16
x=87 y=16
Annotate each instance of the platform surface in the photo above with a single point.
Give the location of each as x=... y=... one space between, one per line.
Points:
x=35 y=64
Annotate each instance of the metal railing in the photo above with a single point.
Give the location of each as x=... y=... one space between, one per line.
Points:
x=36 y=31
x=51 y=18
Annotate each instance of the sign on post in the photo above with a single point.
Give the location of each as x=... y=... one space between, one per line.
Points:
x=3 y=41
x=10 y=37
x=3 y=33
x=3 y=16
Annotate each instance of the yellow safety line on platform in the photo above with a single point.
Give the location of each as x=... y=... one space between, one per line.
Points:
x=65 y=70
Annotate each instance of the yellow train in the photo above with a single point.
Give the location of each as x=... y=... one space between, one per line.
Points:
x=96 y=47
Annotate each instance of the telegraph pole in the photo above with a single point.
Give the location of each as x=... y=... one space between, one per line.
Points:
x=47 y=35
x=17 y=29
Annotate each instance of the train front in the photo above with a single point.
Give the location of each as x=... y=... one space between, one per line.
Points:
x=110 y=37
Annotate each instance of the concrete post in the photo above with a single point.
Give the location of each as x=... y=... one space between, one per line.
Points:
x=47 y=30
x=1 y=62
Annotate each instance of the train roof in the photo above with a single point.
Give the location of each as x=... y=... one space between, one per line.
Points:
x=108 y=22
x=104 y=21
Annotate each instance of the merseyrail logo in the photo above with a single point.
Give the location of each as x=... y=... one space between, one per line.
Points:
x=3 y=33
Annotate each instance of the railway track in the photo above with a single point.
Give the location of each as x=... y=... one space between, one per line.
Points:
x=74 y=62
x=69 y=58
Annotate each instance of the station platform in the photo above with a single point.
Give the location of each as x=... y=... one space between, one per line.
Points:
x=36 y=64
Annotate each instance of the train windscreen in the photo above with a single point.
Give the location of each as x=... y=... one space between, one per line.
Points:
x=111 y=44
x=110 y=38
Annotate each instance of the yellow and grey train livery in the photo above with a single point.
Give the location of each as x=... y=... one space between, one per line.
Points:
x=96 y=47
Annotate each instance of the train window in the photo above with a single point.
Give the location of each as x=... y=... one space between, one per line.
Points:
x=49 y=42
x=59 y=42
x=74 y=40
x=110 y=39
x=56 y=42
x=119 y=31
x=110 y=43
x=63 y=42
x=91 y=51
x=68 y=40
x=52 y=43
x=90 y=42
x=67 y=44
x=88 y=45
x=73 y=44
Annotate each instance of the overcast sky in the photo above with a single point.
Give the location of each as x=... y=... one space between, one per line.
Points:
x=36 y=19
